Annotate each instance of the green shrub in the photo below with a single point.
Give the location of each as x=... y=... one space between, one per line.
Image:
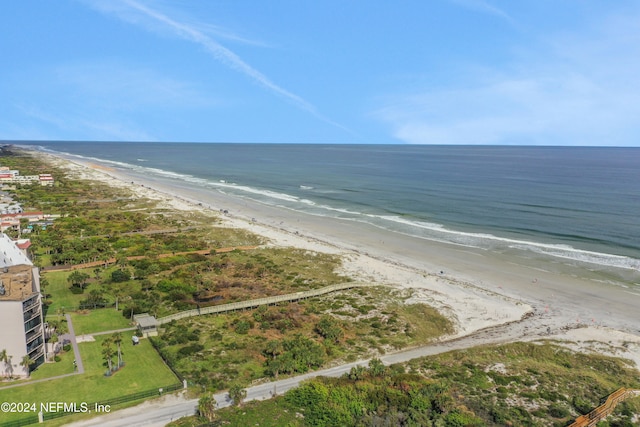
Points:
x=581 y=405
x=77 y=290
x=330 y=329
x=558 y=411
x=193 y=335
x=190 y=350
x=461 y=419
x=120 y=275
x=243 y=327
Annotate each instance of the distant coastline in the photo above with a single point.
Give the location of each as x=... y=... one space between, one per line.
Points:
x=573 y=219
x=477 y=288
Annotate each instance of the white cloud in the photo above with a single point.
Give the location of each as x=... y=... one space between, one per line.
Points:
x=582 y=90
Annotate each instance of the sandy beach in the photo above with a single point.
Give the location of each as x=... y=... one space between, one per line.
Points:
x=477 y=289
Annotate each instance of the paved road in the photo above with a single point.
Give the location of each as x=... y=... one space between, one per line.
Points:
x=152 y=414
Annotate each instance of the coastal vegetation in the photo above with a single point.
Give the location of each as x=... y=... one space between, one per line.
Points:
x=519 y=384
x=144 y=260
x=215 y=351
x=110 y=254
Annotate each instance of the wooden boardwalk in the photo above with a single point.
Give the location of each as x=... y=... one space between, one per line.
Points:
x=604 y=410
x=241 y=305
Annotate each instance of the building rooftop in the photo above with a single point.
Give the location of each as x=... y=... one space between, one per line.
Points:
x=145 y=320
x=10 y=254
x=16 y=283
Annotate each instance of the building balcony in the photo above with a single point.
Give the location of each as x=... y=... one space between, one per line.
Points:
x=35 y=333
x=37 y=353
x=31 y=314
x=35 y=345
x=30 y=303
x=32 y=324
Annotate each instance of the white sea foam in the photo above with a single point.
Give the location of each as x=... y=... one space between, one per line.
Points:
x=405 y=225
x=440 y=233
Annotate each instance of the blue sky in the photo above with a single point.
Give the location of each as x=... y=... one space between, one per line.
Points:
x=537 y=72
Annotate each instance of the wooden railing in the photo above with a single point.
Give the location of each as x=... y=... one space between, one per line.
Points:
x=604 y=410
x=241 y=305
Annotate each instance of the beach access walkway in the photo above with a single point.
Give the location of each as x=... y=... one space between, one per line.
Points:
x=242 y=305
x=603 y=411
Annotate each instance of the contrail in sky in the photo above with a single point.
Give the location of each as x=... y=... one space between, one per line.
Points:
x=229 y=58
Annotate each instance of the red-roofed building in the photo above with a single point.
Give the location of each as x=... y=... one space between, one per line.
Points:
x=46 y=179
x=24 y=245
x=13 y=219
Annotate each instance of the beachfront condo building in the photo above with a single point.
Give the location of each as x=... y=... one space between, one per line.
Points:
x=21 y=322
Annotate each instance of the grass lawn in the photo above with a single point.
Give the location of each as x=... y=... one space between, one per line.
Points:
x=92 y=321
x=61 y=296
x=144 y=370
x=53 y=369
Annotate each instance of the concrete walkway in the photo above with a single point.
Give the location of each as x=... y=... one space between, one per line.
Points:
x=71 y=336
x=113 y=331
x=28 y=382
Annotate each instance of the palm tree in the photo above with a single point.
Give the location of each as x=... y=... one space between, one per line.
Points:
x=53 y=341
x=274 y=348
x=117 y=340
x=237 y=393
x=207 y=407
x=26 y=363
x=24 y=223
x=4 y=358
x=9 y=367
x=107 y=353
x=78 y=279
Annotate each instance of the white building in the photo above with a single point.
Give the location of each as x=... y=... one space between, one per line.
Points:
x=21 y=323
x=13 y=176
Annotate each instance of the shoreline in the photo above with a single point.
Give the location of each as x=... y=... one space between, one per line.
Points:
x=476 y=289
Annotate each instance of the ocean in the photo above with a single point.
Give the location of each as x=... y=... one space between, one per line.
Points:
x=570 y=205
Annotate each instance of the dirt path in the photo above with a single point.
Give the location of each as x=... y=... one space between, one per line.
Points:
x=138 y=257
